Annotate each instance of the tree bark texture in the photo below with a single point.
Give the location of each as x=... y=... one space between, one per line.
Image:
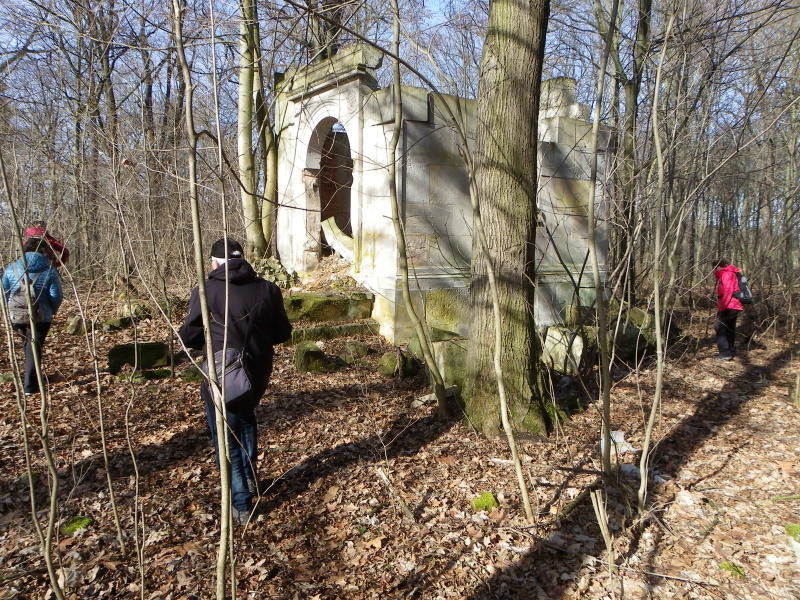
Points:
x=505 y=178
x=256 y=244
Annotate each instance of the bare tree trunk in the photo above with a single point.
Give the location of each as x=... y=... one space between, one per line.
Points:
x=655 y=408
x=599 y=288
x=256 y=244
x=505 y=179
x=269 y=147
x=46 y=535
x=178 y=9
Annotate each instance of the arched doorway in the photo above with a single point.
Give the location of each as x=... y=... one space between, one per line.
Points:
x=328 y=181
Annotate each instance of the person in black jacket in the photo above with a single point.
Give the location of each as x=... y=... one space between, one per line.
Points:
x=256 y=320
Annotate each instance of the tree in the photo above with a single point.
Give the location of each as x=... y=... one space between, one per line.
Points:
x=505 y=184
x=248 y=53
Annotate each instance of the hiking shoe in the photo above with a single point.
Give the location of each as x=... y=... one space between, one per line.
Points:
x=242 y=517
x=724 y=358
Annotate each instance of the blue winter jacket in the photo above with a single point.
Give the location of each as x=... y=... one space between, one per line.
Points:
x=47 y=286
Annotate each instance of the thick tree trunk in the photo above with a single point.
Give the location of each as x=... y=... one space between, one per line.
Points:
x=268 y=142
x=505 y=178
x=256 y=244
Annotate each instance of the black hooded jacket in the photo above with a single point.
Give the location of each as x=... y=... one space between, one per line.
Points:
x=254 y=305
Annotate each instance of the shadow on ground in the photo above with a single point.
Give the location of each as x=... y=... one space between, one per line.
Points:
x=533 y=578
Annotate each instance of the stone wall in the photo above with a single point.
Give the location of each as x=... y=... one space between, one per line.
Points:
x=432 y=186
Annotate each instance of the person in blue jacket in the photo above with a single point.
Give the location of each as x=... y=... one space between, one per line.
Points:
x=47 y=295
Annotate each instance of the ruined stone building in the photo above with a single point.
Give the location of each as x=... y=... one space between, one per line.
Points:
x=335 y=126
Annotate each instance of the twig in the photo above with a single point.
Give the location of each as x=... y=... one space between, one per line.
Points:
x=599 y=505
x=505 y=461
x=8 y=578
x=394 y=494
x=663 y=576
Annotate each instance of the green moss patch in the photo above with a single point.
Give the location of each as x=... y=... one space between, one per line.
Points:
x=135 y=377
x=791 y=498
x=447 y=309
x=555 y=413
x=734 y=569
x=158 y=374
x=75 y=524
x=793 y=531
x=308 y=306
x=486 y=501
x=309 y=358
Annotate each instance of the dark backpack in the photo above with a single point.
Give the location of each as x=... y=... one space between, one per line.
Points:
x=18 y=304
x=743 y=295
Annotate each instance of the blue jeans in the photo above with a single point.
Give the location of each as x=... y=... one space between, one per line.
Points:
x=242 y=448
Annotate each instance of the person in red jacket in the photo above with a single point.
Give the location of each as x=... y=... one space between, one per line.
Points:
x=728 y=307
x=38 y=229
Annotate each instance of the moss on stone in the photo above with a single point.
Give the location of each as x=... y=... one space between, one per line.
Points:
x=555 y=413
x=353 y=350
x=75 y=326
x=143 y=376
x=117 y=323
x=309 y=358
x=486 y=501
x=73 y=525
x=158 y=373
x=436 y=335
x=397 y=363
x=144 y=355
x=451 y=358
x=447 y=309
x=640 y=317
x=318 y=307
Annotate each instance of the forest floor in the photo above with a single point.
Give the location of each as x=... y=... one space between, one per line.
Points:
x=330 y=527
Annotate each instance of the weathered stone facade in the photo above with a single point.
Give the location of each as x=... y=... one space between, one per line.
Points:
x=335 y=126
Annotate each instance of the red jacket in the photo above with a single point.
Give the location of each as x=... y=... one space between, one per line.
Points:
x=727 y=284
x=60 y=251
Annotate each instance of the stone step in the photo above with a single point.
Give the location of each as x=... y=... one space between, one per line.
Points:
x=329 y=332
x=324 y=307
